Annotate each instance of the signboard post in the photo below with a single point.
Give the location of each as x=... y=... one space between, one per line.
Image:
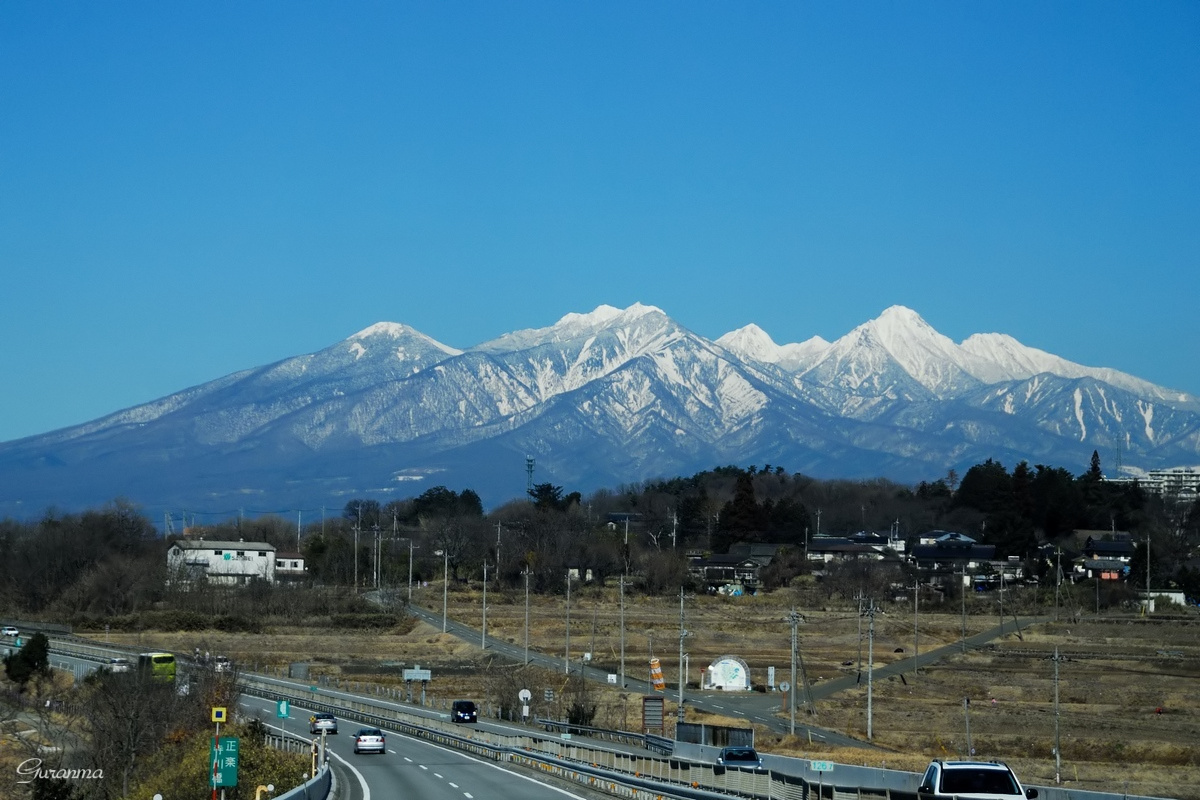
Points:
x=223 y=755
x=820 y=767
x=525 y=696
x=652 y=713
x=417 y=674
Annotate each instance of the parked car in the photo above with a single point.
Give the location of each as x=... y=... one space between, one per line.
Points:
x=464 y=711
x=970 y=780
x=322 y=723
x=740 y=757
x=118 y=664
x=369 y=740
x=9 y=630
x=222 y=664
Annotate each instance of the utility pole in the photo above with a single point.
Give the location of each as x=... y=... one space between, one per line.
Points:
x=794 y=620
x=967 y=716
x=859 y=598
x=567 y=652
x=1057 y=745
x=445 y=554
x=483 y=635
x=1057 y=578
x=526 y=614
x=498 y=562
x=916 y=638
x=357 y=522
x=870 y=664
x=375 y=566
x=1001 y=602
x=962 y=587
x=622 y=585
x=1147 y=606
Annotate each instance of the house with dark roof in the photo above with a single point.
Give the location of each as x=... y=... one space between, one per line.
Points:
x=950 y=553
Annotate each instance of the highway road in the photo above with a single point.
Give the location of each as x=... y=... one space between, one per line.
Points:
x=411 y=767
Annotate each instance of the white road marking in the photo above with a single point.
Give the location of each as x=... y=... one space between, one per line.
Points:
x=436 y=775
x=453 y=785
x=409 y=760
x=422 y=766
x=467 y=794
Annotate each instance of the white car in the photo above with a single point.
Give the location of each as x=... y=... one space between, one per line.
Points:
x=9 y=630
x=971 y=780
x=118 y=664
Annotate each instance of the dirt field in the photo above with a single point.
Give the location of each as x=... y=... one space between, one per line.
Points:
x=1114 y=676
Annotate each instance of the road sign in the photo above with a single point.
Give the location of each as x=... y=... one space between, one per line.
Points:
x=525 y=695
x=281 y=709
x=821 y=766
x=548 y=695
x=784 y=686
x=612 y=678
x=417 y=674
x=223 y=761
x=771 y=677
x=218 y=714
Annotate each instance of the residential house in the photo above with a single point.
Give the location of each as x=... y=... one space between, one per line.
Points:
x=289 y=567
x=943 y=554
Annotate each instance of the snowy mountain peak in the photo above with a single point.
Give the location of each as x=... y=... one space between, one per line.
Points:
x=753 y=342
x=394 y=331
x=599 y=316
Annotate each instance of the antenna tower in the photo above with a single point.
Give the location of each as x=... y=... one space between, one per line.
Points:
x=528 y=474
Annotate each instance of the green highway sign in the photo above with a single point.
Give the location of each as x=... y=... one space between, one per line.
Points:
x=281 y=710
x=821 y=766
x=223 y=762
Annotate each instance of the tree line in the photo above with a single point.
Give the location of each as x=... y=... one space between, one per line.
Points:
x=111 y=562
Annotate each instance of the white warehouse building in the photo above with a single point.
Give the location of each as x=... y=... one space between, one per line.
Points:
x=226 y=563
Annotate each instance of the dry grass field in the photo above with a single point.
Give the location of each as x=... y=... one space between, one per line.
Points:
x=1115 y=675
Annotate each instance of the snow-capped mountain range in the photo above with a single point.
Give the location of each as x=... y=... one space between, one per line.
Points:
x=599 y=399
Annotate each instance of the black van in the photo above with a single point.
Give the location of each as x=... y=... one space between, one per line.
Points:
x=464 y=711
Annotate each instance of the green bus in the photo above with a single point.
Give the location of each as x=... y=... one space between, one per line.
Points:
x=160 y=666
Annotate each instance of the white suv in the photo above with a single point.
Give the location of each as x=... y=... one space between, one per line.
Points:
x=971 y=780
x=9 y=630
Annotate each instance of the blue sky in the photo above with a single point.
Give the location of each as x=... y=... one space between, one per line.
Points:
x=187 y=190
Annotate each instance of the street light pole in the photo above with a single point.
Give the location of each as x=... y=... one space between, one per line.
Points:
x=410 y=567
x=682 y=675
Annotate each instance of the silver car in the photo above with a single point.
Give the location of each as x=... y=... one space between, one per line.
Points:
x=322 y=723
x=369 y=740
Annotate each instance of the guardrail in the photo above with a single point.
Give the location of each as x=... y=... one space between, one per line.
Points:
x=659 y=744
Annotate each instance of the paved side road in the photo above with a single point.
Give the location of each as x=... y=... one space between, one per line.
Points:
x=757 y=707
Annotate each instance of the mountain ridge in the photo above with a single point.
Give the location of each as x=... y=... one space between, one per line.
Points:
x=601 y=398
